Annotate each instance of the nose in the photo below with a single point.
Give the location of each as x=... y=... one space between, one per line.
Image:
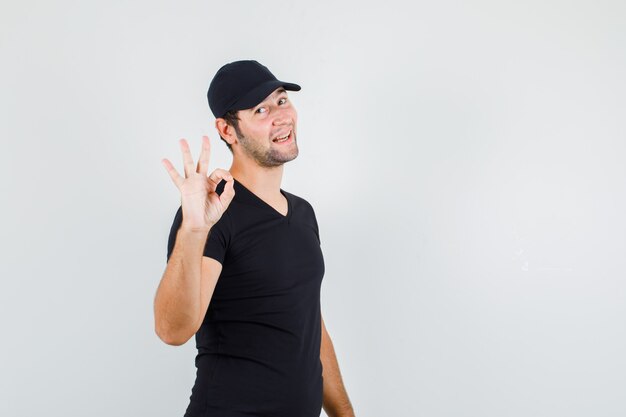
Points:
x=282 y=117
x=281 y=120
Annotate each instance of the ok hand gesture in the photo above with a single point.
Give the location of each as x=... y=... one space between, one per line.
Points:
x=202 y=206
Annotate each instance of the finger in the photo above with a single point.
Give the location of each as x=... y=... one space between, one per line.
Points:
x=217 y=176
x=228 y=194
x=178 y=180
x=187 y=159
x=203 y=161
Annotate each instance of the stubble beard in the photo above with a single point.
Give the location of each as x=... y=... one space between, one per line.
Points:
x=268 y=157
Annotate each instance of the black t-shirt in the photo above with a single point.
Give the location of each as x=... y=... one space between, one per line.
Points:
x=259 y=343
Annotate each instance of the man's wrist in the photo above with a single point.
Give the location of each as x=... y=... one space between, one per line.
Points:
x=195 y=230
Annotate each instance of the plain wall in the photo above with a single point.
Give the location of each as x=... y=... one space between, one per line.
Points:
x=465 y=161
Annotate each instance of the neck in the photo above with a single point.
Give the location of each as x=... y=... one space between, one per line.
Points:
x=262 y=181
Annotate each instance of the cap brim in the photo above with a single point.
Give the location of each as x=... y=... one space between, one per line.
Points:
x=260 y=93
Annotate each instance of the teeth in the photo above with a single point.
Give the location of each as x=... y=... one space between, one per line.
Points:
x=283 y=138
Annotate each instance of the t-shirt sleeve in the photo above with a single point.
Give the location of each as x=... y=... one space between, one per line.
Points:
x=217 y=241
x=178 y=219
x=317 y=229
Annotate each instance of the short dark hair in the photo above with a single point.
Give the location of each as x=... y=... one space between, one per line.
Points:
x=231 y=117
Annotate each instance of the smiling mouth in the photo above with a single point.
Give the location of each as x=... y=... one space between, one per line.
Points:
x=282 y=139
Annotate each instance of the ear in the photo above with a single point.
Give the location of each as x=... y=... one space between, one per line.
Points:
x=225 y=130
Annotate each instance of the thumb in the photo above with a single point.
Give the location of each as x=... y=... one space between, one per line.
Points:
x=228 y=194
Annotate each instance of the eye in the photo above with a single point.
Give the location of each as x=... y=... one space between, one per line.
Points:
x=283 y=99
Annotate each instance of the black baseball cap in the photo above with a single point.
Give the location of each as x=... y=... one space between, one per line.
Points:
x=241 y=85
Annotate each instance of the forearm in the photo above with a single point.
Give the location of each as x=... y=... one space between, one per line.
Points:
x=336 y=402
x=177 y=301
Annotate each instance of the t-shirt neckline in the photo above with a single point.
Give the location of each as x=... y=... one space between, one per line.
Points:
x=264 y=203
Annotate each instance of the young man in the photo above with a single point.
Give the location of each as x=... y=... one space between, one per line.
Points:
x=245 y=265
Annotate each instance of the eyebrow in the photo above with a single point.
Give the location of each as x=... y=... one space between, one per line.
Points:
x=277 y=93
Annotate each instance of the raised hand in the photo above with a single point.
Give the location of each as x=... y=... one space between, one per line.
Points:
x=202 y=206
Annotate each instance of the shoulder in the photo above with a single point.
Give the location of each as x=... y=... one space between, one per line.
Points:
x=300 y=202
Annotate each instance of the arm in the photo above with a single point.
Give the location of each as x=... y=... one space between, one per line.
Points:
x=177 y=304
x=336 y=402
x=183 y=296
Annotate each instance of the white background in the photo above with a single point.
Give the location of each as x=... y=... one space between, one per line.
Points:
x=465 y=161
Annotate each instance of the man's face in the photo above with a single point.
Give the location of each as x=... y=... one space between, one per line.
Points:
x=261 y=125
